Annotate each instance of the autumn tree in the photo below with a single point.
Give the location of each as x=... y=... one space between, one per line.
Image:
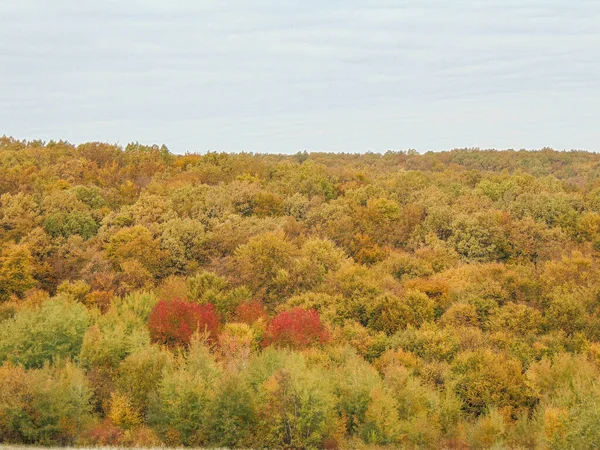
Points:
x=174 y=322
x=297 y=328
x=16 y=271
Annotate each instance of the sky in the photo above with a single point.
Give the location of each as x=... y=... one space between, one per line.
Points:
x=285 y=76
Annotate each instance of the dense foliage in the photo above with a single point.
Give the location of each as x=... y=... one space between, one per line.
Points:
x=443 y=300
x=175 y=322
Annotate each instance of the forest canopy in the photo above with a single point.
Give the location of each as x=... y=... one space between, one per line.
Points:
x=315 y=300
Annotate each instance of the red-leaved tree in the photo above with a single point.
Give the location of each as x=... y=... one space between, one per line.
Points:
x=174 y=322
x=296 y=328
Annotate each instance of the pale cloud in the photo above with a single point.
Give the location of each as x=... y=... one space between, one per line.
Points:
x=288 y=75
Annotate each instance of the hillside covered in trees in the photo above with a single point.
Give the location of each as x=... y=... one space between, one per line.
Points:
x=442 y=300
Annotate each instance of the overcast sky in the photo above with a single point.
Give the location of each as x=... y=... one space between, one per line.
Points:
x=284 y=76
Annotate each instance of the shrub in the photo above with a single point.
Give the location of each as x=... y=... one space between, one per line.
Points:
x=135 y=308
x=404 y=266
x=488 y=431
x=13 y=395
x=389 y=314
x=173 y=323
x=225 y=301
x=8 y=310
x=319 y=258
x=105 y=348
x=263 y=264
x=368 y=343
x=99 y=299
x=136 y=243
x=205 y=285
x=104 y=434
x=66 y=224
x=142 y=437
x=133 y=276
x=297 y=328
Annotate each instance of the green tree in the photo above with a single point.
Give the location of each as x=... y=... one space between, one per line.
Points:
x=36 y=336
x=179 y=406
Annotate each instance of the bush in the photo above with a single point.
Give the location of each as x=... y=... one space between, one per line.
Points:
x=236 y=343
x=205 y=285
x=100 y=348
x=104 y=434
x=297 y=328
x=13 y=397
x=368 y=343
x=173 y=323
x=488 y=431
x=66 y=224
x=136 y=243
x=381 y=424
x=263 y=264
